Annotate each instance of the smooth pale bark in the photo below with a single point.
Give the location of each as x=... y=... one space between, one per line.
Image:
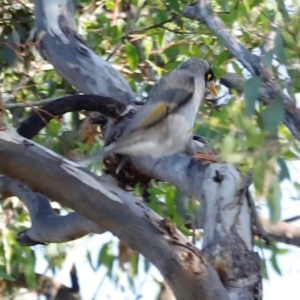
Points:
x=227 y=226
x=283 y=232
x=183 y=266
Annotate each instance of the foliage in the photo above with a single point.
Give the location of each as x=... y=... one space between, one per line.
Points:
x=153 y=35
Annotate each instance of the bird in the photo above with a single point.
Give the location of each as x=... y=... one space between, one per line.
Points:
x=164 y=124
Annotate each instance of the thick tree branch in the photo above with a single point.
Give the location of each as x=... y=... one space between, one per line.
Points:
x=209 y=184
x=283 y=232
x=103 y=104
x=183 y=266
x=58 y=41
x=203 y=12
x=47 y=227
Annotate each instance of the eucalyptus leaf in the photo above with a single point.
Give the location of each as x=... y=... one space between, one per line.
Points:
x=174 y=4
x=284 y=171
x=279 y=49
x=274 y=198
x=275 y=264
x=273 y=116
x=251 y=90
x=132 y=56
x=6 y=276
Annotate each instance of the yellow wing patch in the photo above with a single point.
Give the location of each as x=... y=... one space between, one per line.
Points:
x=157 y=112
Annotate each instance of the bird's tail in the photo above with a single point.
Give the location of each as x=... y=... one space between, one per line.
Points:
x=96 y=156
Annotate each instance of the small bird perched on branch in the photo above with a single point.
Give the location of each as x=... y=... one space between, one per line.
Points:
x=163 y=125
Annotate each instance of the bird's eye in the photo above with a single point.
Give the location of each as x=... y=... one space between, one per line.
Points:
x=209 y=76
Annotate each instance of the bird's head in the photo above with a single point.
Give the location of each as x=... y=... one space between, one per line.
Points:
x=201 y=68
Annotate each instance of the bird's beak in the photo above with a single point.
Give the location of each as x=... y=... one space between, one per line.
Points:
x=212 y=88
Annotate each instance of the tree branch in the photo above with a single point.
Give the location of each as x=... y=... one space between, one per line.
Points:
x=227 y=221
x=70 y=55
x=103 y=104
x=47 y=227
x=183 y=266
x=283 y=232
x=291 y=115
x=203 y=12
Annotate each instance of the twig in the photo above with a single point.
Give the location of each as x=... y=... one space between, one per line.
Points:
x=292 y=219
x=2 y=111
x=256 y=224
x=204 y=13
x=105 y=105
x=31 y=104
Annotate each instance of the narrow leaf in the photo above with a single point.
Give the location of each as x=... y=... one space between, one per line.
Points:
x=89 y=258
x=279 y=50
x=132 y=56
x=275 y=264
x=251 y=90
x=273 y=116
x=268 y=58
x=6 y=276
x=274 y=198
x=284 y=171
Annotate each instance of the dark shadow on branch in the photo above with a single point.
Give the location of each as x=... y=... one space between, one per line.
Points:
x=103 y=104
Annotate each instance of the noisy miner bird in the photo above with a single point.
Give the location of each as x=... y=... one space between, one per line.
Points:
x=163 y=125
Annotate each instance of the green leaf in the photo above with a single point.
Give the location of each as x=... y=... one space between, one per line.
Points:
x=170 y=198
x=251 y=90
x=6 y=276
x=281 y=251
x=134 y=262
x=264 y=270
x=275 y=264
x=105 y=257
x=274 y=198
x=281 y=7
x=10 y=49
x=258 y=175
x=268 y=58
x=89 y=258
x=221 y=58
x=237 y=68
x=110 y=4
x=279 y=49
x=132 y=56
x=284 y=171
x=228 y=145
x=297 y=186
x=174 y=5
x=30 y=276
x=273 y=116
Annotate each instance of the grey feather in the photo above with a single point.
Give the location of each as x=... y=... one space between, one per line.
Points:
x=166 y=130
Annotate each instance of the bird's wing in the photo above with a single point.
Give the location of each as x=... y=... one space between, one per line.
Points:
x=166 y=96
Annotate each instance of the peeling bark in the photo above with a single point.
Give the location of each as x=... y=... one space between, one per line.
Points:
x=59 y=43
x=227 y=220
x=183 y=266
x=47 y=227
